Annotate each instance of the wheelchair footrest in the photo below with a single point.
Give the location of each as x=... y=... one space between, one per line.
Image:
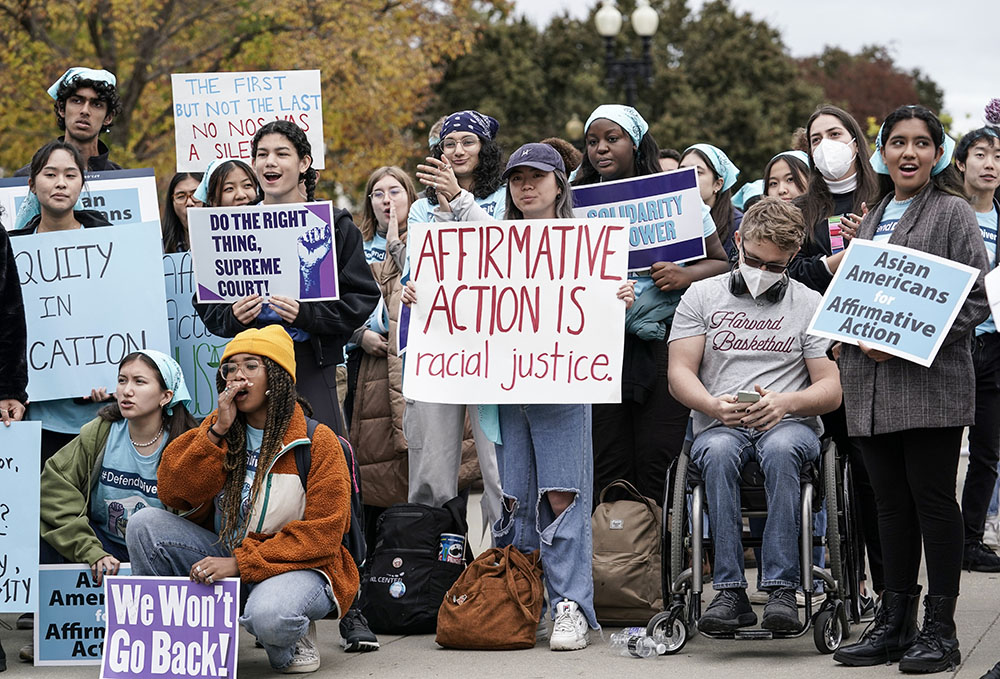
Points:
x=753 y=634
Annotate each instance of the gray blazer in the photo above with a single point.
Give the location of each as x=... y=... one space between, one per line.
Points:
x=897 y=394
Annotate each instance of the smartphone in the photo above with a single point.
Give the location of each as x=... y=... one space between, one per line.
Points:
x=747 y=397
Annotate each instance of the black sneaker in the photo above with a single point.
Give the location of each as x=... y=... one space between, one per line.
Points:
x=781 y=612
x=355 y=636
x=729 y=610
x=980 y=558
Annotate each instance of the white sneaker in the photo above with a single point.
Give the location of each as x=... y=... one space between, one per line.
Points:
x=991 y=531
x=306 y=658
x=800 y=598
x=570 y=631
x=759 y=596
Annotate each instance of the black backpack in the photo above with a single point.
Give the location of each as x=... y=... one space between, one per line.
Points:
x=354 y=538
x=404 y=581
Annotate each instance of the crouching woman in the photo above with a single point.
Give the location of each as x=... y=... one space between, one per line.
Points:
x=238 y=473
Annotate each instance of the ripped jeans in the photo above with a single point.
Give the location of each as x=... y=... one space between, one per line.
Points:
x=549 y=447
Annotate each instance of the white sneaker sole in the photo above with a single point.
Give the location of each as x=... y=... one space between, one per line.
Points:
x=569 y=644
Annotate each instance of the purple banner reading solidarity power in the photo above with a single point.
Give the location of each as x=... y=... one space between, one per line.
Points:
x=170 y=627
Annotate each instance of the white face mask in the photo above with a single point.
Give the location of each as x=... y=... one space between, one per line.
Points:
x=833 y=159
x=758 y=280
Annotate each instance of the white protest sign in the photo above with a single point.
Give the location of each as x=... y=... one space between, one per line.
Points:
x=20 y=449
x=217 y=114
x=91 y=297
x=517 y=312
x=264 y=250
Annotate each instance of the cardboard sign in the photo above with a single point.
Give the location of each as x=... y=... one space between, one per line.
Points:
x=264 y=250
x=517 y=312
x=896 y=299
x=170 y=627
x=122 y=196
x=663 y=212
x=191 y=344
x=91 y=297
x=217 y=114
x=20 y=451
x=69 y=624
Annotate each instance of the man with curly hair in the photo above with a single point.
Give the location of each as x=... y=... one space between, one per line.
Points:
x=86 y=103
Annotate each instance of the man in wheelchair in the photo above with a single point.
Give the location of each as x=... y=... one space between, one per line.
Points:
x=756 y=383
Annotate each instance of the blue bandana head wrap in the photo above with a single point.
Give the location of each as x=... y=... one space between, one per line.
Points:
x=720 y=163
x=626 y=117
x=172 y=377
x=482 y=126
x=201 y=193
x=748 y=191
x=878 y=162
x=84 y=73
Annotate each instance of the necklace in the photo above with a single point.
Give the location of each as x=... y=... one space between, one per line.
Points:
x=150 y=442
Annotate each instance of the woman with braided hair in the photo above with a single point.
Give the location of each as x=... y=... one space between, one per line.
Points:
x=238 y=474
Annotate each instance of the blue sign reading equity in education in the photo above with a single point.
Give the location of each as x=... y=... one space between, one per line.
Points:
x=191 y=344
x=896 y=299
x=20 y=444
x=91 y=297
x=72 y=614
x=664 y=211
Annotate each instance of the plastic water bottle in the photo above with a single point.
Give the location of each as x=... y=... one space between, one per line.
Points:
x=633 y=642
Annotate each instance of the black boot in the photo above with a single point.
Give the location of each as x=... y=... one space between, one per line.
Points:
x=889 y=635
x=992 y=674
x=936 y=648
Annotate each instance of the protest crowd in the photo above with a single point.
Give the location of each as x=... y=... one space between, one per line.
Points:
x=711 y=355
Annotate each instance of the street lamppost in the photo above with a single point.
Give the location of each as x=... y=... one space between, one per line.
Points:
x=608 y=22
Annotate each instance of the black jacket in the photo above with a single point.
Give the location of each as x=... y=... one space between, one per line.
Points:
x=808 y=267
x=13 y=332
x=329 y=324
x=94 y=163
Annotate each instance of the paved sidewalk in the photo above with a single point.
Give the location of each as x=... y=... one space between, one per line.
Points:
x=978 y=621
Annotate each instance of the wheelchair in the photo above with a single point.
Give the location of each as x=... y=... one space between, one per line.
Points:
x=826 y=481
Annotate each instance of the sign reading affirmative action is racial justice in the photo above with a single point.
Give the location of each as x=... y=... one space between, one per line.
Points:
x=264 y=250
x=122 y=196
x=217 y=114
x=91 y=297
x=896 y=299
x=20 y=444
x=517 y=312
x=71 y=616
x=191 y=344
x=663 y=212
x=170 y=627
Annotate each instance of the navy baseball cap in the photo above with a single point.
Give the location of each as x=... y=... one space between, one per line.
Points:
x=539 y=156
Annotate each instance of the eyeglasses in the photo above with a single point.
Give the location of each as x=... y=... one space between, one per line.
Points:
x=183 y=196
x=250 y=369
x=754 y=263
x=467 y=143
x=393 y=194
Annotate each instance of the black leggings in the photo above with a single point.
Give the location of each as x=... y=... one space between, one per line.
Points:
x=913 y=473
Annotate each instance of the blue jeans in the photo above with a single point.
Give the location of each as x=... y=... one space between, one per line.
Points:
x=549 y=447
x=994 y=508
x=278 y=610
x=720 y=453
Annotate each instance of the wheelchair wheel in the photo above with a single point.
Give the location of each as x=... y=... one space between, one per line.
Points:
x=828 y=632
x=678 y=519
x=832 y=489
x=668 y=628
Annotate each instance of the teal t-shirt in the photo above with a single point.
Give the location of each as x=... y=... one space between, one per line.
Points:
x=255 y=438
x=127 y=482
x=893 y=213
x=988 y=224
x=63 y=415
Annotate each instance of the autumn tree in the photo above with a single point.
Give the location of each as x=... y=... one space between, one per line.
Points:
x=378 y=60
x=869 y=84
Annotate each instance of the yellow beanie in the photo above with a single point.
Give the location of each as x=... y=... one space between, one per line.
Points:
x=271 y=341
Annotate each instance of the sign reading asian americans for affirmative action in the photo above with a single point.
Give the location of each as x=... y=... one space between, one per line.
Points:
x=896 y=299
x=664 y=212
x=517 y=312
x=264 y=250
